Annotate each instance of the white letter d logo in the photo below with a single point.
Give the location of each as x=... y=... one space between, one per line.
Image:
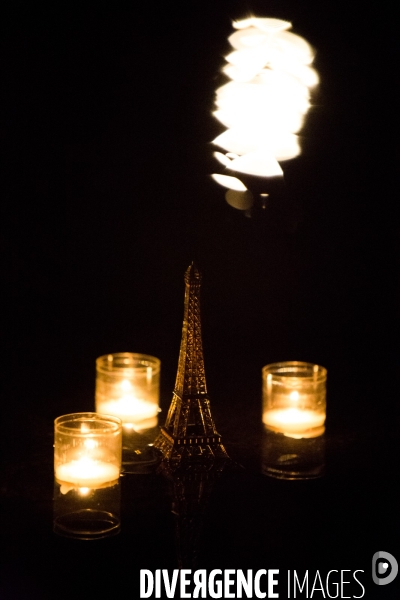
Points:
x=383 y=562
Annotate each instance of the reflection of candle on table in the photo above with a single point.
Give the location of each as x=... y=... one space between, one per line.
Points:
x=86 y=472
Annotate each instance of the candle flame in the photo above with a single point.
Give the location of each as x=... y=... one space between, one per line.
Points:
x=90 y=444
x=126 y=385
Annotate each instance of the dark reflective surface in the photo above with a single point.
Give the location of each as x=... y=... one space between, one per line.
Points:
x=241 y=519
x=284 y=457
x=85 y=513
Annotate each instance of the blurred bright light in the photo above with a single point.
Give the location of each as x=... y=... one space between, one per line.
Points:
x=232 y=183
x=222 y=158
x=258 y=163
x=264 y=23
x=247 y=139
x=265 y=103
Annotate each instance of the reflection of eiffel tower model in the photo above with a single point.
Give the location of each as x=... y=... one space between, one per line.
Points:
x=189 y=436
x=191 y=494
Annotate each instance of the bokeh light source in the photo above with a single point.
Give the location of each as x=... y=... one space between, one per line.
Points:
x=264 y=105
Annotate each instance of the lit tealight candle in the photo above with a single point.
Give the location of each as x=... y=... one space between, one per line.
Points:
x=87 y=450
x=294 y=399
x=87 y=473
x=127 y=386
x=294 y=422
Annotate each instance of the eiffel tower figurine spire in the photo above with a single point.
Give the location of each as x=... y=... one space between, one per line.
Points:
x=189 y=435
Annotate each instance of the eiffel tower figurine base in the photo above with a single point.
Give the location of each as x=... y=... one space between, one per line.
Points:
x=197 y=453
x=189 y=438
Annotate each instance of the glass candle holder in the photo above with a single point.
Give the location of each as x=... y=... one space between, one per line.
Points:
x=128 y=387
x=87 y=451
x=294 y=399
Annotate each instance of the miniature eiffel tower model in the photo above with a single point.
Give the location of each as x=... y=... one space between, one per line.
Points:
x=189 y=437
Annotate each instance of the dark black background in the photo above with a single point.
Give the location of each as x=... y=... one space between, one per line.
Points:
x=106 y=200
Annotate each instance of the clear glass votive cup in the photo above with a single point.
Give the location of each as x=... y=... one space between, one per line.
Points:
x=128 y=387
x=87 y=451
x=294 y=399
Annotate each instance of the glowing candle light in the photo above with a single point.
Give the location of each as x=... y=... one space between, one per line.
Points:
x=87 y=451
x=294 y=422
x=127 y=386
x=294 y=399
x=133 y=411
x=87 y=473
